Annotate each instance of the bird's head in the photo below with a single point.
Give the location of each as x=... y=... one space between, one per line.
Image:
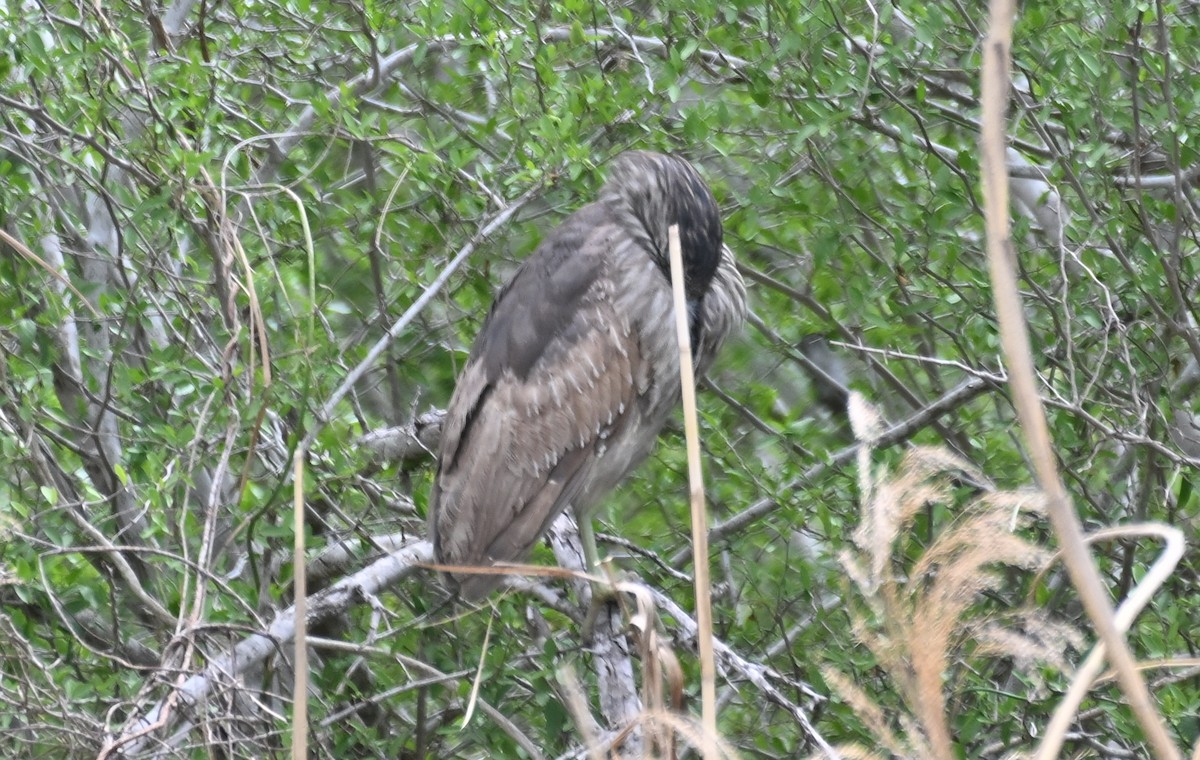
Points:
x=657 y=190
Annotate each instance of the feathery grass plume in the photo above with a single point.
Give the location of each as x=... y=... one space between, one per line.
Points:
x=921 y=613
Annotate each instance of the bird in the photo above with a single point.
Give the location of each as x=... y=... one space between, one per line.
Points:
x=575 y=369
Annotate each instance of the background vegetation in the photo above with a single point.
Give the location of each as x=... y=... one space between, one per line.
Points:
x=188 y=190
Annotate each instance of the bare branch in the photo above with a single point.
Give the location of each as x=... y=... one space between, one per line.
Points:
x=251 y=651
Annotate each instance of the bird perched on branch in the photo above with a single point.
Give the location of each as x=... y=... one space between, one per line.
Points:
x=577 y=366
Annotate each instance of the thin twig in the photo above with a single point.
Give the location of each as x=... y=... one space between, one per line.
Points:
x=23 y=249
x=955 y=398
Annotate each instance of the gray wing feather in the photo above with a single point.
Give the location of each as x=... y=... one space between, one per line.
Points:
x=550 y=378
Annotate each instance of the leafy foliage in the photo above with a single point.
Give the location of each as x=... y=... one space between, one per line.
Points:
x=212 y=211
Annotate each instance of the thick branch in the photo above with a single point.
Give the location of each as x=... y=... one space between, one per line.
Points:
x=324 y=605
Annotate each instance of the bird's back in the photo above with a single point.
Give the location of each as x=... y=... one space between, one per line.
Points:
x=572 y=375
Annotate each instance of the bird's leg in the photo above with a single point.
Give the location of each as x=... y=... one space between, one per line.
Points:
x=603 y=591
x=587 y=536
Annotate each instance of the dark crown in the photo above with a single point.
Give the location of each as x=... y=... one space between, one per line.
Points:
x=658 y=190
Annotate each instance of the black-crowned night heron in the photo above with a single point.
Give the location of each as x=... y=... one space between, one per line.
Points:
x=577 y=365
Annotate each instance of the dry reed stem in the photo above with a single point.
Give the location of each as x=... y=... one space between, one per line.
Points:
x=867 y=710
x=1018 y=356
x=660 y=667
x=299 y=749
x=710 y=746
x=1137 y=599
x=300 y=642
x=704 y=634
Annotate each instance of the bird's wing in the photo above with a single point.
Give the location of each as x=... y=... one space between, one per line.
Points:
x=553 y=374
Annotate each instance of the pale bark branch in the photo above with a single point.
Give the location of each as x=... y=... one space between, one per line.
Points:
x=251 y=651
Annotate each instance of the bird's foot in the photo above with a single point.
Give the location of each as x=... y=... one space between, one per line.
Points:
x=605 y=595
